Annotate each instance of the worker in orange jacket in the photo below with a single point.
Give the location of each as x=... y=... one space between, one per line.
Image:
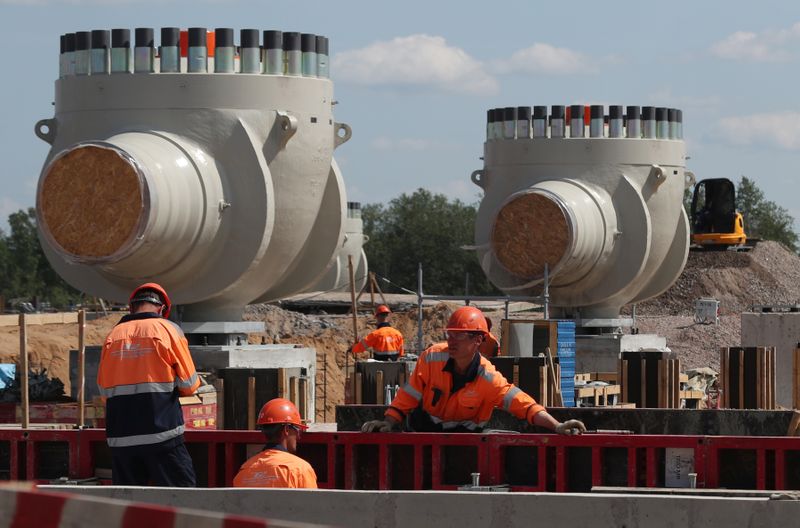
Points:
x=491 y=345
x=277 y=466
x=454 y=388
x=145 y=366
x=384 y=343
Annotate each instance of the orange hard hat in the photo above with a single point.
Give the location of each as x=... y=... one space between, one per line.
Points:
x=280 y=411
x=467 y=319
x=382 y=309
x=144 y=293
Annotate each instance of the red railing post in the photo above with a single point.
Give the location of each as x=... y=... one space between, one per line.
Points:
x=562 y=480
x=597 y=466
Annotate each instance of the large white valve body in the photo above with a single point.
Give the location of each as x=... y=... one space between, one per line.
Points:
x=605 y=215
x=221 y=187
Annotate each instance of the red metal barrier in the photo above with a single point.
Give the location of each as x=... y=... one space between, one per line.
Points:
x=526 y=462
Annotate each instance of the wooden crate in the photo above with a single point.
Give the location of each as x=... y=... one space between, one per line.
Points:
x=690 y=399
x=606 y=396
x=650 y=379
x=748 y=377
x=586 y=377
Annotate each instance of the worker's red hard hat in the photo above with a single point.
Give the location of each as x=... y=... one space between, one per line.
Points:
x=144 y=293
x=467 y=319
x=382 y=309
x=280 y=411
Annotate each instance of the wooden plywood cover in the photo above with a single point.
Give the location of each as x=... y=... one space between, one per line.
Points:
x=91 y=201
x=529 y=231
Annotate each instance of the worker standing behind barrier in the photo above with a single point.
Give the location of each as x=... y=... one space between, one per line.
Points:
x=144 y=367
x=454 y=388
x=385 y=343
x=491 y=345
x=277 y=466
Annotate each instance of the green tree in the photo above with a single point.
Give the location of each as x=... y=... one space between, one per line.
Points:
x=25 y=272
x=764 y=218
x=427 y=228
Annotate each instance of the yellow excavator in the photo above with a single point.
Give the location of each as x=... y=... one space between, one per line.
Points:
x=716 y=224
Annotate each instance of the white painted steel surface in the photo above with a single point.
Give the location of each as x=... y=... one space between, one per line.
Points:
x=622 y=201
x=246 y=201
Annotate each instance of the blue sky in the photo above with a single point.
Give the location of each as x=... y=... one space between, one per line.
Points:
x=414 y=79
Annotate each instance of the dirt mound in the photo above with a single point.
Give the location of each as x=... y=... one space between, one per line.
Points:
x=770 y=274
x=49 y=345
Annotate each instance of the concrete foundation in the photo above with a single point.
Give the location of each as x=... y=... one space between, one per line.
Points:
x=781 y=330
x=260 y=356
x=600 y=353
x=385 y=509
x=728 y=422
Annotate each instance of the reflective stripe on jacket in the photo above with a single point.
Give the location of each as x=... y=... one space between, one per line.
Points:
x=144 y=367
x=273 y=468
x=471 y=406
x=384 y=340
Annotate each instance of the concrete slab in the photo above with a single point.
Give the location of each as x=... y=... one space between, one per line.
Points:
x=422 y=509
x=781 y=330
x=600 y=353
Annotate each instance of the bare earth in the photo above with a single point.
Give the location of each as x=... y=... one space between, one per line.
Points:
x=768 y=275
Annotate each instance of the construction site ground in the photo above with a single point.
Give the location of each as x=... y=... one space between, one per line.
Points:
x=768 y=275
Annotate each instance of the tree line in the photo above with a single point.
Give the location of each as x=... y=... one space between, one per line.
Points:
x=421 y=227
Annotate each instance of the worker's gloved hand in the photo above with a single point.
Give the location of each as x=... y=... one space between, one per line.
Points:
x=376 y=426
x=571 y=427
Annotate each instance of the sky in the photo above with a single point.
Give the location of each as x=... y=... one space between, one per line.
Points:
x=414 y=79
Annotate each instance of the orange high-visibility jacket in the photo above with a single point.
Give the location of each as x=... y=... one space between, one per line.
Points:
x=384 y=340
x=490 y=347
x=275 y=468
x=144 y=366
x=471 y=406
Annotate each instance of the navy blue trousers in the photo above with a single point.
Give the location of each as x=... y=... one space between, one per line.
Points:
x=171 y=467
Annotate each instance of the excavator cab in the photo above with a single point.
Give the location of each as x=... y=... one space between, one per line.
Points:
x=716 y=224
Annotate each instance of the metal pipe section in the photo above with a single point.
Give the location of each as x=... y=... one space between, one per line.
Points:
x=144 y=52
x=308 y=48
x=224 y=50
x=523 y=122
x=170 y=50
x=198 y=51
x=83 y=57
x=250 y=61
x=101 y=56
x=273 y=52
x=323 y=59
x=121 y=51
x=292 y=54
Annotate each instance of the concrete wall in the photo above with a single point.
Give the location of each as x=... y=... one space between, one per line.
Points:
x=781 y=330
x=422 y=509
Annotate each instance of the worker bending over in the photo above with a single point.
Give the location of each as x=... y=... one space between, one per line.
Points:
x=384 y=343
x=277 y=466
x=144 y=367
x=454 y=388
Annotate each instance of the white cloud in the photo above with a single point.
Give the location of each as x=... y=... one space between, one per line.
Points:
x=776 y=129
x=767 y=46
x=546 y=59
x=421 y=60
